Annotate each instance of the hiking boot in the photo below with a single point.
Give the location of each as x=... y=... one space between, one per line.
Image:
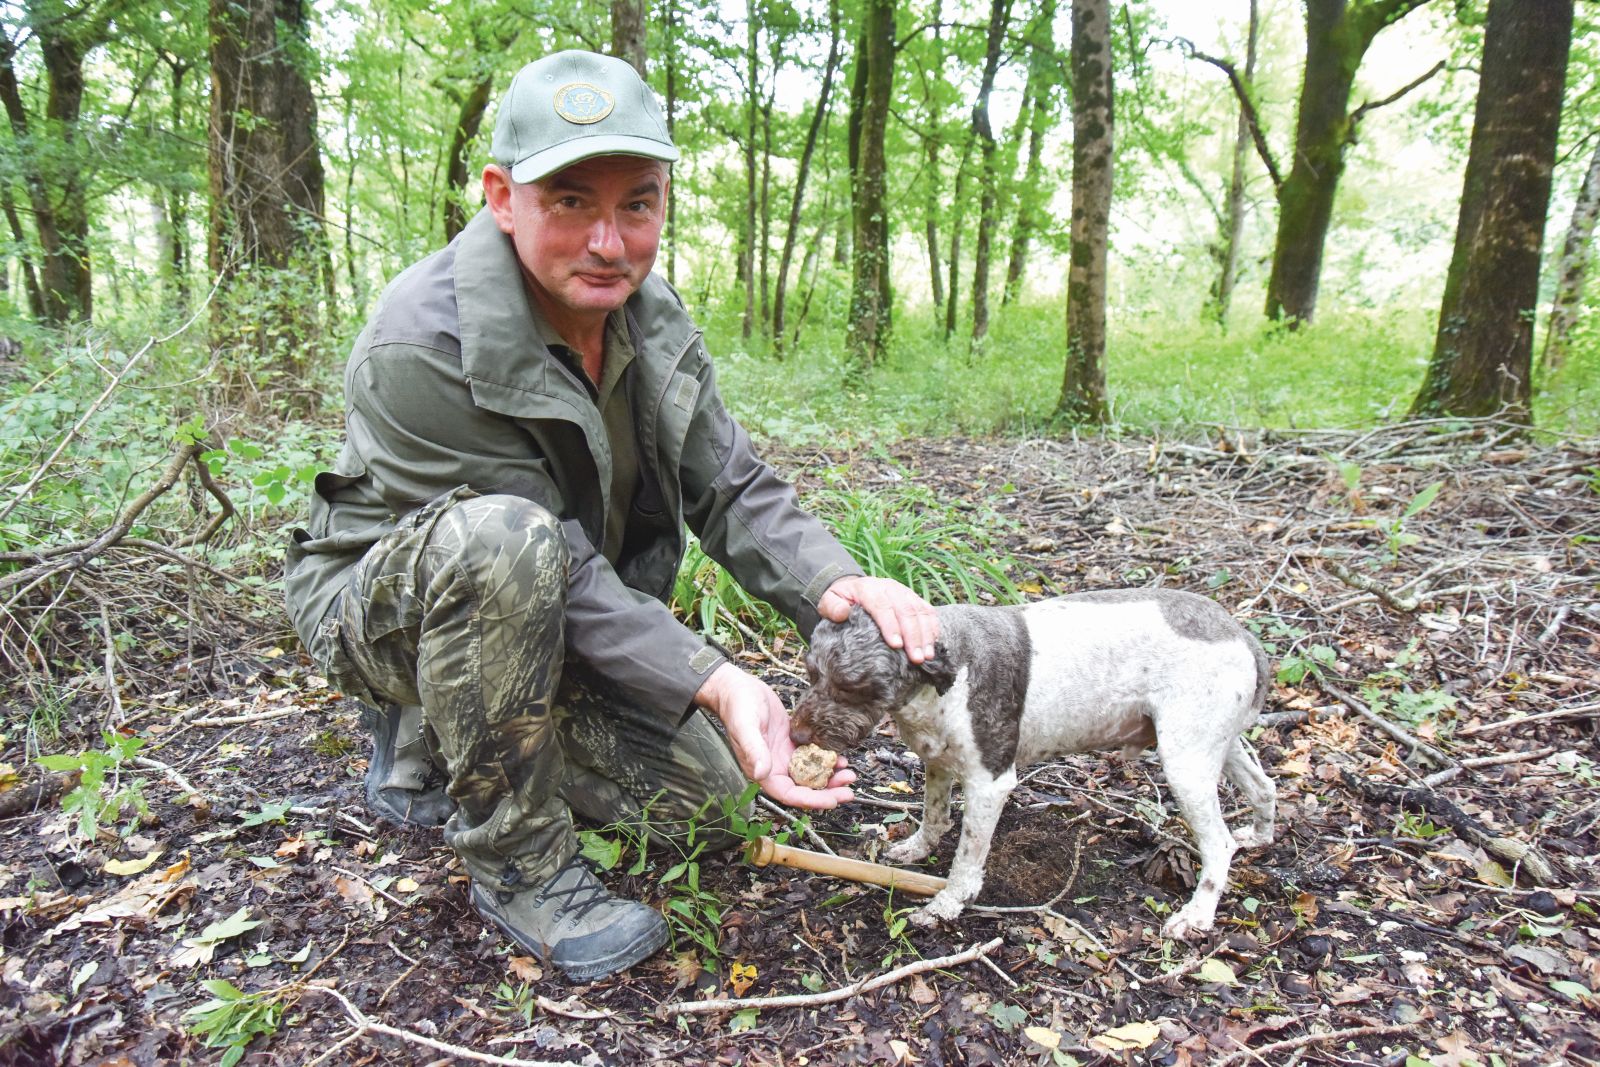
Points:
x=575 y=923
x=403 y=785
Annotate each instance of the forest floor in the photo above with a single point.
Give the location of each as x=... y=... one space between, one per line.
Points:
x=1432 y=891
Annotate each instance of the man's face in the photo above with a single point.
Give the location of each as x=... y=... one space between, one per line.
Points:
x=586 y=236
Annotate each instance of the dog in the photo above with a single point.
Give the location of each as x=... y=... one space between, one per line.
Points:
x=1008 y=687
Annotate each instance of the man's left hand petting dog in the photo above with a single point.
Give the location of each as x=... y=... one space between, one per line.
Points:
x=1010 y=686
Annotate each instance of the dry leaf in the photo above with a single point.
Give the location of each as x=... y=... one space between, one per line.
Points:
x=291 y=847
x=741 y=977
x=685 y=969
x=1215 y=971
x=353 y=890
x=140 y=899
x=524 y=968
x=902 y=1051
x=1132 y=1037
x=406 y=885
x=1043 y=1035
x=131 y=867
x=921 y=992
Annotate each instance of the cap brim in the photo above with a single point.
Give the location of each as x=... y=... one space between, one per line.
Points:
x=543 y=164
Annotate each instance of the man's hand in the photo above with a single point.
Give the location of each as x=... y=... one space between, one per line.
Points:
x=904 y=618
x=758 y=727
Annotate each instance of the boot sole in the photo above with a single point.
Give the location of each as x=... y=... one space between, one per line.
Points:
x=640 y=948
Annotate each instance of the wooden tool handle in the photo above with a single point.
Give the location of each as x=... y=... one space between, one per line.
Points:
x=763 y=850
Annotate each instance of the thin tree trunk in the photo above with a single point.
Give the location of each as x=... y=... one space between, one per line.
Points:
x=1221 y=295
x=810 y=266
x=765 y=213
x=672 y=125
x=871 y=301
x=628 y=33
x=1083 y=387
x=952 y=297
x=1338 y=34
x=934 y=201
x=1572 y=269
x=747 y=250
x=802 y=174
x=469 y=120
x=1483 y=355
x=983 y=133
x=1036 y=108
x=30 y=280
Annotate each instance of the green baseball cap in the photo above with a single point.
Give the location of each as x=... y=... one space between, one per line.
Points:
x=572 y=106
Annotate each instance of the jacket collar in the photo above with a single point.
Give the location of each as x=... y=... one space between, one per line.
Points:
x=503 y=340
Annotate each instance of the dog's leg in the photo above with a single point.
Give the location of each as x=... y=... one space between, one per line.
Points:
x=935 y=819
x=984 y=801
x=1243 y=771
x=1192 y=775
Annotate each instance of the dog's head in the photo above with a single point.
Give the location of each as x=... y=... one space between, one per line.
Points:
x=857 y=680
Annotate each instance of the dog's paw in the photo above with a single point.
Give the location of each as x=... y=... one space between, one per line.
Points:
x=1250 y=837
x=943 y=907
x=1187 y=926
x=911 y=850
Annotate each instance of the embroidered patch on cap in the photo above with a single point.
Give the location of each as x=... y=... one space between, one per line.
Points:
x=583 y=103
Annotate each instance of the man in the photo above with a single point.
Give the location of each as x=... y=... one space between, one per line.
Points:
x=531 y=421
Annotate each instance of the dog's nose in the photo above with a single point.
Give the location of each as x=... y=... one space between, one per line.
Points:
x=799 y=733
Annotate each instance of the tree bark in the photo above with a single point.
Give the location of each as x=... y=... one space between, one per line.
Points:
x=1036 y=107
x=802 y=175
x=1572 y=269
x=30 y=280
x=469 y=120
x=1083 y=387
x=747 y=246
x=934 y=200
x=1227 y=254
x=956 y=230
x=1338 y=34
x=628 y=33
x=672 y=125
x=1483 y=354
x=983 y=133
x=266 y=180
x=870 y=303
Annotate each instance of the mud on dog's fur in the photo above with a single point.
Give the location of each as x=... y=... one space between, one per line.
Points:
x=1009 y=687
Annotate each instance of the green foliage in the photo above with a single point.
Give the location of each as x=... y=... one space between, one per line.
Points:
x=926 y=545
x=707 y=598
x=234 y=1018
x=894 y=924
x=1396 y=537
x=101 y=795
x=1299 y=659
x=519 y=1000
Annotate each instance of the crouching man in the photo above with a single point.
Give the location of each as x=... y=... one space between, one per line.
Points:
x=531 y=422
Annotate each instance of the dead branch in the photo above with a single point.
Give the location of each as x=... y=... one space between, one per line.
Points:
x=1448 y=773
x=1265 y=1053
x=811 y=1000
x=1252 y=119
x=1361 y=112
x=1576 y=711
x=1522 y=855
x=1400 y=735
x=365 y=1025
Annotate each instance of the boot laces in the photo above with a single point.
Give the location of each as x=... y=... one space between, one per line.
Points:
x=583 y=895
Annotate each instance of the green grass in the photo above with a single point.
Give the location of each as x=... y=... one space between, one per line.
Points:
x=1350 y=369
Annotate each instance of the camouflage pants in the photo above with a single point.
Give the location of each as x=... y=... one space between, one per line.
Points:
x=461 y=610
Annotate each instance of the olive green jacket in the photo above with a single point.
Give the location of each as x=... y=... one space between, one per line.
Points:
x=449 y=385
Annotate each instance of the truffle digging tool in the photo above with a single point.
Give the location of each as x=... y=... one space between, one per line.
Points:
x=763 y=851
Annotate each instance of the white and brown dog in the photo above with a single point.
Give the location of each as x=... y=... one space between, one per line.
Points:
x=1010 y=686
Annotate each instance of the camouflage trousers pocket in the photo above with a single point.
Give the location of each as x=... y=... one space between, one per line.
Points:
x=387 y=581
x=328 y=650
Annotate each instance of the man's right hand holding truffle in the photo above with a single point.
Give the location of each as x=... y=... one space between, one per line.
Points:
x=758 y=729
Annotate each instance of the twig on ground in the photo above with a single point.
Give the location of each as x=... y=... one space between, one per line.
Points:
x=1586 y=710
x=1264 y=1053
x=1440 y=777
x=167 y=769
x=811 y=1000
x=365 y=1025
x=806 y=831
x=240 y=720
x=1400 y=735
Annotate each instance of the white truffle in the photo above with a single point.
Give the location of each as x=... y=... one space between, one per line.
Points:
x=812 y=766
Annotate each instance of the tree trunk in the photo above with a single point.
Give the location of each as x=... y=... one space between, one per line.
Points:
x=672 y=125
x=1483 y=354
x=983 y=133
x=1036 y=107
x=747 y=248
x=1083 y=387
x=30 y=280
x=628 y=33
x=265 y=231
x=1572 y=269
x=935 y=187
x=1221 y=295
x=802 y=174
x=469 y=120
x=1338 y=34
x=766 y=207
x=870 y=300
x=956 y=215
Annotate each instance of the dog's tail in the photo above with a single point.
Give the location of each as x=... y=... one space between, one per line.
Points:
x=1263 y=673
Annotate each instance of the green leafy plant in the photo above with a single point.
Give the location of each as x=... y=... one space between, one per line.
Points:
x=706 y=596
x=895 y=921
x=1394 y=530
x=1410 y=824
x=516 y=1000
x=101 y=795
x=921 y=543
x=233 y=1018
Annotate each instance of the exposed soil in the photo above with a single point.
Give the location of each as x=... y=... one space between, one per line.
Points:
x=1403 y=900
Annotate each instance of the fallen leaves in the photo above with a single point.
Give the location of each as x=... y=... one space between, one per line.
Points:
x=201 y=948
x=1132 y=1037
x=137 y=901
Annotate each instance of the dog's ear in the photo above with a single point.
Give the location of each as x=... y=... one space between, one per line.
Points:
x=939 y=671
